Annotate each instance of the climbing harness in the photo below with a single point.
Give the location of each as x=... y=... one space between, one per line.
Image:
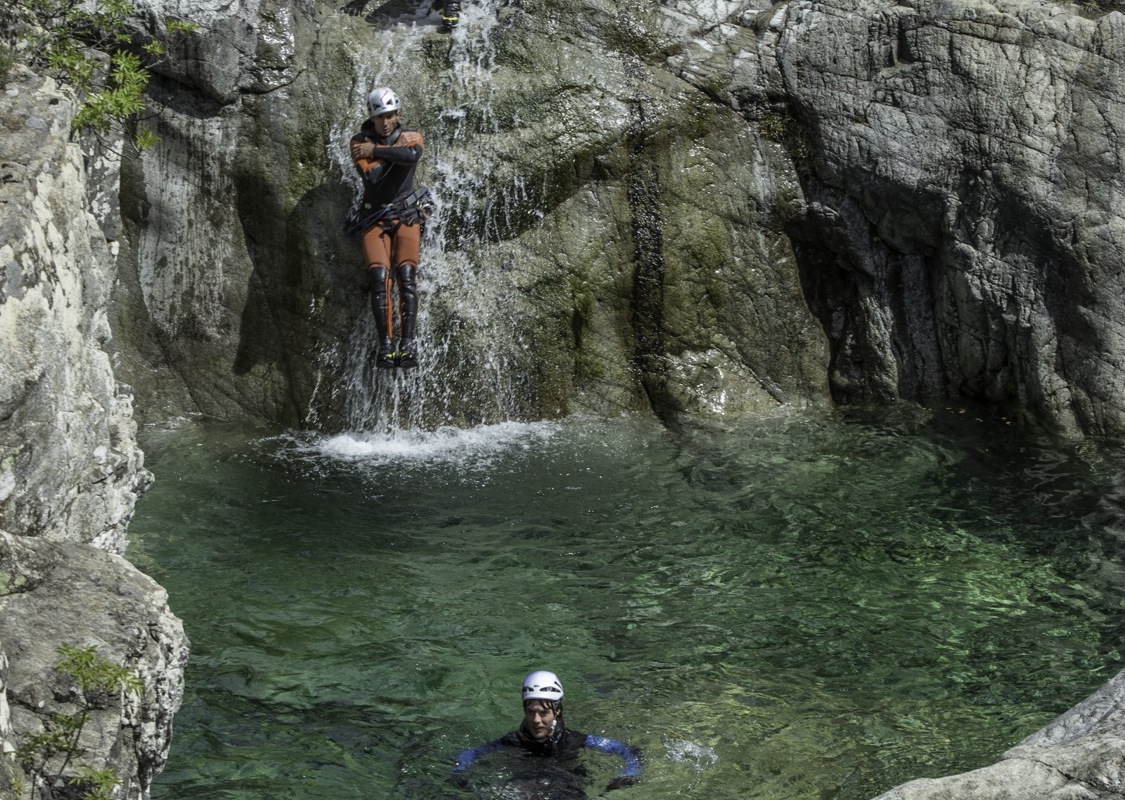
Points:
x=414 y=209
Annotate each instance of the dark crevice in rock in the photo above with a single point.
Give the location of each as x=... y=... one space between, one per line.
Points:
x=647 y=303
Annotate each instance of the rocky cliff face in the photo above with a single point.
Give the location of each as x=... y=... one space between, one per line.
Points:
x=69 y=465
x=608 y=237
x=694 y=207
x=67 y=593
x=70 y=469
x=963 y=222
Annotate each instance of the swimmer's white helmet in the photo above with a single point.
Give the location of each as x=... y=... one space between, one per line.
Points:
x=542 y=685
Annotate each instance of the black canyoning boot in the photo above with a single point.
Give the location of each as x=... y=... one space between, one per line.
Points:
x=450 y=15
x=407 y=355
x=379 y=280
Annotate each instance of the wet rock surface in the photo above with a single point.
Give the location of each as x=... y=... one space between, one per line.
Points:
x=70 y=468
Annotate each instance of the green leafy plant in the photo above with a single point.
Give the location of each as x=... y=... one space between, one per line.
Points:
x=90 y=46
x=46 y=756
x=98 y=784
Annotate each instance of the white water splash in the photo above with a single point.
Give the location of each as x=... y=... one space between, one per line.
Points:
x=684 y=751
x=473 y=447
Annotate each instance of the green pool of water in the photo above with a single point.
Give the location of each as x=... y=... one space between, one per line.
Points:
x=795 y=606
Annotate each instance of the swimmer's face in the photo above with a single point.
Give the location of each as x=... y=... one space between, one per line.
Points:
x=540 y=719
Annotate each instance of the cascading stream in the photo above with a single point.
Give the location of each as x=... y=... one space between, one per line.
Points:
x=469 y=347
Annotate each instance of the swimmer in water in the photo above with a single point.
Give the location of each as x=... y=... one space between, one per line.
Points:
x=544 y=737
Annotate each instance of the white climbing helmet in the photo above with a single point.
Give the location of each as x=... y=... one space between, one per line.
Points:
x=542 y=685
x=382 y=101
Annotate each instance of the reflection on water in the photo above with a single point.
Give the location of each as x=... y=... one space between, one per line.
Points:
x=790 y=607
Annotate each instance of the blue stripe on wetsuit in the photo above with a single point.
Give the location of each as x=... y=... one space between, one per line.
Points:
x=467 y=757
x=605 y=745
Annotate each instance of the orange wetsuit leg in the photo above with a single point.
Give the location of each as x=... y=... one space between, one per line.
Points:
x=407 y=244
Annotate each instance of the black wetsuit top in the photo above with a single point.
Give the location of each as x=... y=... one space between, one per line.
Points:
x=388 y=177
x=562 y=748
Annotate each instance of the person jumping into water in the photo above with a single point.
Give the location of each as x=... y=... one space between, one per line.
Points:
x=545 y=741
x=390 y=220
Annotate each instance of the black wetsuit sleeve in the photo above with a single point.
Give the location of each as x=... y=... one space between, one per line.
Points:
x=399 y=155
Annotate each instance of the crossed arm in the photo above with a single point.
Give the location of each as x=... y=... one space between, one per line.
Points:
x=373 y=160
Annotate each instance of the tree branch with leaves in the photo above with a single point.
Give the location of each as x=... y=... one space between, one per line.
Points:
x=91 y=47
x=47 y=756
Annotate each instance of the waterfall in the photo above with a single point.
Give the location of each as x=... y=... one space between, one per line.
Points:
x=466 y=339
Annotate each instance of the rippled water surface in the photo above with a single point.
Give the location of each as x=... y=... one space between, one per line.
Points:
x=790 y=607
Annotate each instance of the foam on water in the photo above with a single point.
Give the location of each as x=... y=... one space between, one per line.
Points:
x=464 y=447
x=683 y=751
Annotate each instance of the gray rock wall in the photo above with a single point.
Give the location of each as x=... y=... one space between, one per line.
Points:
x=69 y=464
x=70 y=469
x=68 y=593
x=687 y=208
x=962 y=174
x=612 y=245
